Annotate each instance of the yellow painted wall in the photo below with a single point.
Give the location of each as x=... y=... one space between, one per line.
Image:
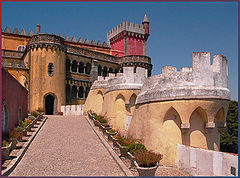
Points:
x=94 y=101
x=11 y=42
x=41 y=82
x=158 y=126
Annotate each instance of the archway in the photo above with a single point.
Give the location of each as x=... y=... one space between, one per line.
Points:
x=50 y=103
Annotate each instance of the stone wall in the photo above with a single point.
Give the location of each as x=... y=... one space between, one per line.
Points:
x=72 y=109
x=201 y=162
x=203 y=80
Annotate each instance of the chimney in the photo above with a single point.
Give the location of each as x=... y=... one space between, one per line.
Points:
x=38 y=29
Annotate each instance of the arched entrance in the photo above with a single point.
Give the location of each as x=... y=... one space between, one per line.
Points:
x=50 y=104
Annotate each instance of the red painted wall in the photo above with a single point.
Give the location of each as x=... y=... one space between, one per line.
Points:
x=134 y=46
x=15 y=95
x=117 y=48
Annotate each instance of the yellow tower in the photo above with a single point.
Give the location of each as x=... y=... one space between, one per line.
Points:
x=47 y=55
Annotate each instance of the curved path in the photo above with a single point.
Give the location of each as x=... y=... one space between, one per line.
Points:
x=67 y=146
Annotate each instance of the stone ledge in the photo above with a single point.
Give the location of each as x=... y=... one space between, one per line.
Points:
x=21 y=153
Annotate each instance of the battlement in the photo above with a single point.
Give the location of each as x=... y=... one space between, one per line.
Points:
x=202 y=80
x=125 y=26
x=123 y=81
x=17 y=32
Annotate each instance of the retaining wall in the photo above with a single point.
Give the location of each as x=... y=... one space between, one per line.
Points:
x=72 y=109
x=201 y=162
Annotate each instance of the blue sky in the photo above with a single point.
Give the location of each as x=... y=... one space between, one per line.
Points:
x=176 y=28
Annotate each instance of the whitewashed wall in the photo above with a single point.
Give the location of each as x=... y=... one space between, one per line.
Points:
x=201 y=162
x=72 y=109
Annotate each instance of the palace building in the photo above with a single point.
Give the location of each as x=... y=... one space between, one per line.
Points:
x=60 y=71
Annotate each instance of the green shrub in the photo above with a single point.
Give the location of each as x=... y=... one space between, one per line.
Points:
x=5 y=143
x=147 y=158
x=123 y=140
x=19 y=129
x=35 y=114
x=135 y=148
x=31 y=117
x=22 y=124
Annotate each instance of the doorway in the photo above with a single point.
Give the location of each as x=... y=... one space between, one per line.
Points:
x=49 y=104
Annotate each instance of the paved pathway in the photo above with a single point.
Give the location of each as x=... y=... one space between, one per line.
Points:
x=67 y=146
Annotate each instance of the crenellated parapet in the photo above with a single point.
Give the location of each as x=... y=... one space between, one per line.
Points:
x=202 y=80
x=17 y=32
x=128 y=80
x=128 y=28
x=86 y=42
x=45 y=41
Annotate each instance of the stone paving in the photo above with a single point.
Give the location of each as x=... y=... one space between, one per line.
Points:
x=67 y=146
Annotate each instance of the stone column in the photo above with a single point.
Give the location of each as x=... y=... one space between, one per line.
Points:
x=94 y=70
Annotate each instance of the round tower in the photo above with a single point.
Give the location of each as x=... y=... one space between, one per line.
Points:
x=47 y=73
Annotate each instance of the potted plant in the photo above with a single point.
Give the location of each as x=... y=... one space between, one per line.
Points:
x=147 y=162
x=122 y=143
x=33 y=119
x=21 y=132
x=134 y=148
x=28 y=124
x=13 y=137
x=5 y=149
x=110 y=133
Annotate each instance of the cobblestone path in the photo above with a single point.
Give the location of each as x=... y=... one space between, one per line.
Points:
x=67 y=146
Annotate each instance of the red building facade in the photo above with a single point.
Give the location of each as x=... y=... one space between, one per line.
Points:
x=14 y=102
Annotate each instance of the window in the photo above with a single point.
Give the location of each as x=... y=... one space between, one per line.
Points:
x=74 y=66
x=99 y=70
x=81 y=92
x=4 y=118
x=21 y=48
x=81 y=67
x=88 y=68
x=50 y=69
x=74 y=92
x=19 y=114
x=87 y=91
x=68 y=63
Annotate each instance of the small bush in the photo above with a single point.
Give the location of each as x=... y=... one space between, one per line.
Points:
x=5 y=143
x=135 y=148
x=31 y=117
x=22 y=124
x=27 y=121
x=123 y=140
x=19 y=129
x=35 y=114
x=147 y=158
x=14 y=134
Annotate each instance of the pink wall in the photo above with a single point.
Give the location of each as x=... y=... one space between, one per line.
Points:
x=134 y=46
x=15 y=95
x=117 y=48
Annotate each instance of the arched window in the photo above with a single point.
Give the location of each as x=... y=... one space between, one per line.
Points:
x=74 y=66
x=81 y=67
x=4 y=118
x=88 y=68
x=99 y=70
x=81 y=92
x=19 y=114
x=74 y=91
x=115 y=71
x=105 y=73
x=68 y=92
x=68 y=64
x=87 y=91
x=110 y=70
x=121 y=70
x=50 y=69
x=21 y=48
